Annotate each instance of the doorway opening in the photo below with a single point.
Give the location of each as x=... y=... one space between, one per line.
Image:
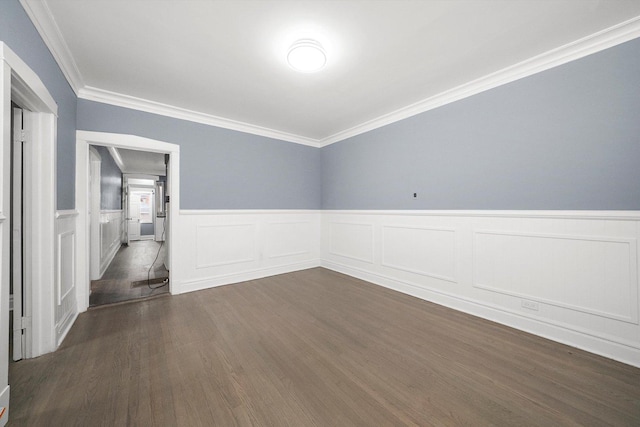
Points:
x=127 y=224
x=170 y=152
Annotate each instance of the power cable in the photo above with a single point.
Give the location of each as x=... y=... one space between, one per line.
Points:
x=166 y=281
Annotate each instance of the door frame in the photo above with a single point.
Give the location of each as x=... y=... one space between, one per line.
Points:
x=131 y=188
x=20 y=83
x=94 y=212
x=83 y=140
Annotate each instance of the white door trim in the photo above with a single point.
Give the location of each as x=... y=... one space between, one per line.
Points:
x=83 y=140
x=94 y=213
x=19 y=339
x=22 y=84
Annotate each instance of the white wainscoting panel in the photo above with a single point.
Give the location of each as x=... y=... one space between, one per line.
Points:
x=352 y=240
x=111 y=227
x=225 y=244
x=288 y=239
x=594 y=275
x=426 y=251
x=568 y=276
x=66 y=309
x=223 y=247
x=67 y=250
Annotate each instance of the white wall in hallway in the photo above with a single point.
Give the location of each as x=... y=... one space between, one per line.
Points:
x=66 y=309
x=111 y=223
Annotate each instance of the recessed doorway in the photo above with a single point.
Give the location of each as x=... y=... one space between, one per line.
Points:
x=133 y=266
x=127 y=210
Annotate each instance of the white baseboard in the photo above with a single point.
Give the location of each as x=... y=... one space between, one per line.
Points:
x=565 y=334
x=65 y=326
x=212 y=282
x=106 y=262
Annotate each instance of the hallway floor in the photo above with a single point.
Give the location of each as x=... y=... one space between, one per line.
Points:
x=126 y=277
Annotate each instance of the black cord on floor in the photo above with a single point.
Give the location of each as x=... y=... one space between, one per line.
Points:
x=166 y=281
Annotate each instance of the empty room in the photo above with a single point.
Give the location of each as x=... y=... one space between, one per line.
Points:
x=319 y=213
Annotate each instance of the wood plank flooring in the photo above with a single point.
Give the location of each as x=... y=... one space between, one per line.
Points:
x=313 y=348
x=130 y=264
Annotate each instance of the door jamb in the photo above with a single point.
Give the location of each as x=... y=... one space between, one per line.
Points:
x=20 y=83
x=94 y=209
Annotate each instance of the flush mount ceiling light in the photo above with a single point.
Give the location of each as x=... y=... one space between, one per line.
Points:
x=306 y=56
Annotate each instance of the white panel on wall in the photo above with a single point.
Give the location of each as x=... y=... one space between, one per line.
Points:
x=590 y=274
x=65 y=308
x=285 y=239
x=352 y=240
x=426 y=251
x=218 y=245
x=66 y=268
x=571 y=276
x=111 y=226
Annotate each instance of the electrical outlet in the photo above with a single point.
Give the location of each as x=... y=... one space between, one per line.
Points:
x=415 y=195
x=531 y=305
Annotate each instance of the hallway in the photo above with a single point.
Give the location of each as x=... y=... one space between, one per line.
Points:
x=126 y=277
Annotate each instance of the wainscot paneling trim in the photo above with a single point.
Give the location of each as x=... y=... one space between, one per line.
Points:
x=613 y=215
x=271 y=224
x=344 y=254
x=110 y=236
x=66 y=256
x=206 y=212
x=631 y=285
x=385 y=263
x=220 y=241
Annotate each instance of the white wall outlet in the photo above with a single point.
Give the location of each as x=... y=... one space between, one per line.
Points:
x=531 y=305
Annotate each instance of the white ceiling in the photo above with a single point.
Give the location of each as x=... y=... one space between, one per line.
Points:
x=223 y=62
x=141 y=162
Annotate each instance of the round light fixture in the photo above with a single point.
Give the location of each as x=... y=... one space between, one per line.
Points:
x=306 y=56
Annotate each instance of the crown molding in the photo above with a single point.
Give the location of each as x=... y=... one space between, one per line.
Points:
x=39 y=13
x=42 y=18
x=593 y=43
x=127 y=101
x=115 y=155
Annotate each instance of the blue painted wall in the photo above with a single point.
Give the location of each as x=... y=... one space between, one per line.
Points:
x=17 y=32
x=220 y=168
x=566 y=138
x=110 y=181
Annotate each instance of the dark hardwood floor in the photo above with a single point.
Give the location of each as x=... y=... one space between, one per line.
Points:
x=121 y=281
x=313 y=348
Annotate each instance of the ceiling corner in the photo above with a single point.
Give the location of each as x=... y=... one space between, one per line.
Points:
x=42 y=19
